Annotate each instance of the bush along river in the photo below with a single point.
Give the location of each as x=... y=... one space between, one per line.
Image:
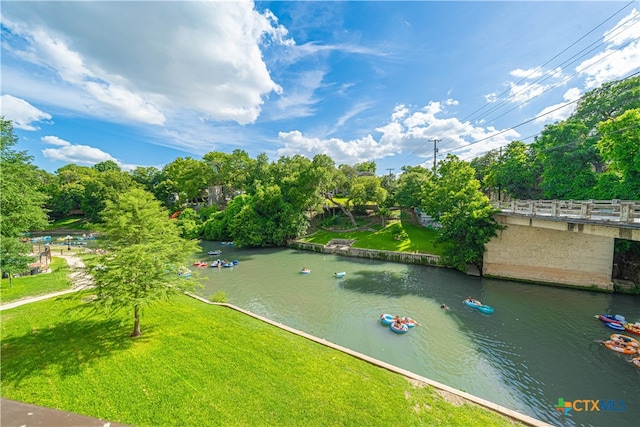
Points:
x=539 y=352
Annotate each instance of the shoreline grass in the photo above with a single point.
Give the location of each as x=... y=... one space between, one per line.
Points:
x=199 y=365
x=419 y=239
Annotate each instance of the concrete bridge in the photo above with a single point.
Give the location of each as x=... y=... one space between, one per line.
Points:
x=559 y=241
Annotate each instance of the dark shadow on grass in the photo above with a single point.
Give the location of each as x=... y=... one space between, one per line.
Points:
x=66 y=347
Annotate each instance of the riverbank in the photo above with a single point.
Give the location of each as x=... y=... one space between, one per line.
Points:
x=343 y=247
x=189 y=352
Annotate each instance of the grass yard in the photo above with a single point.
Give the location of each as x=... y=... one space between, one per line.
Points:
x=203 y=365
x=44 y=283
x=69 y=223
x=419 y=239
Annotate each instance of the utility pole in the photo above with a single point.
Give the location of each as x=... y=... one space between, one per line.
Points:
x=390 y=169
x=435 y=153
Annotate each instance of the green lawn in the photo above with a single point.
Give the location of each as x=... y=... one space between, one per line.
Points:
x=203 y=365
x=420 y=239
x=72 y=223
x=39 y=284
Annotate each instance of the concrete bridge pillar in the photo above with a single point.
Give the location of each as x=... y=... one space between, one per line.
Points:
x=549 y=254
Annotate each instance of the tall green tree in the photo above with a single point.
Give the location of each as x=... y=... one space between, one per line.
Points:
x=15 y=257
x=619 y=146
x=567 y=154
x=515 y=172
x=104 y=186
x=21 y=202
x=146 y=253
x=410 y=185
x=607 y=102
x=453 y=199
x=191 y=177
x=107 y=165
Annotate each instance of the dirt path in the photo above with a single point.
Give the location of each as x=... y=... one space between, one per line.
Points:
x=78 y=277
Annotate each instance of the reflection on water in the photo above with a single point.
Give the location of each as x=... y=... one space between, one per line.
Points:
x=541 y=344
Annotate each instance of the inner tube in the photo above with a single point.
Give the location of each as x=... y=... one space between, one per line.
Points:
x=614 y=325
x=409 y=322
x=620 y=349
x=626 y=339
x=633 y=328
x=386 y=319
x=485 y=309
x=609 y=318
x=403 y=329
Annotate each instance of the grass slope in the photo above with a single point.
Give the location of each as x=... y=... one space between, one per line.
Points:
x=202 y=365
x=39 y=284
x=420 y=239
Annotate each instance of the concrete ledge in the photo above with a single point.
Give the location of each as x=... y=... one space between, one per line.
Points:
x=525 y=419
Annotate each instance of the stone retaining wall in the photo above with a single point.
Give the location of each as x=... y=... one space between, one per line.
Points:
x=403 y=257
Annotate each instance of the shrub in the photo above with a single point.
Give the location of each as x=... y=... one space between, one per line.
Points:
x=219 y=296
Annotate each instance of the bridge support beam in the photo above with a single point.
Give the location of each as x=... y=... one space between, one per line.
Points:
x=549 y=252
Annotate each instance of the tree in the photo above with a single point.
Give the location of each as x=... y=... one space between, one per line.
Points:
x=107 y=165
x=608 y=101
x=191 y=177
x=266 y=219
x=620 y=147
x=568 y=157
x=21 y=200
x=21 y=203
x=515 y=172
x=148 y=177
x=453 y=199
x=482 y=164
x=411 y=184
x=104 y=186
x=14 y=257
x=189 y=223
x=146 y=253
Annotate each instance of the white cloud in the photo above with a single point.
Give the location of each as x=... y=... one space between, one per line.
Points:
x=78 y=154
x=531 y=73
x=299 y=100
x=533 y=83
x=137 y=62
x=353 y=111
x=409 y=133
x=620 y=58
x=54 y=140
x=21 y=113
x=559 y=112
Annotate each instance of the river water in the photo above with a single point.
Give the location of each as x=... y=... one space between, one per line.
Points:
x=541 y=343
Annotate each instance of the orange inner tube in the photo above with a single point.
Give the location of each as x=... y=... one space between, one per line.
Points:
x=619 y=348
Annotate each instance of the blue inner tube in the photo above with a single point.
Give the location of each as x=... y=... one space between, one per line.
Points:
x=386 y=319
x=401 y=330
x=470 y=304
x=485 y=309
x=616 y=326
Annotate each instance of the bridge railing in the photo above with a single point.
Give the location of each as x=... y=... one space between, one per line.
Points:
x=625 y=211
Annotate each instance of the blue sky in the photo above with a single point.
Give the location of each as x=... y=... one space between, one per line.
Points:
x=143 y=83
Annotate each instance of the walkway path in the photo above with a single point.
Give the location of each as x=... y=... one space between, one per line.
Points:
x=79 y=279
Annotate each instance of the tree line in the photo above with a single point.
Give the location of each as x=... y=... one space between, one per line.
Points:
x=594 y=154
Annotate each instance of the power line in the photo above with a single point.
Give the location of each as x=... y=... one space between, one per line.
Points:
x=620 y=28
x=536 y=117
